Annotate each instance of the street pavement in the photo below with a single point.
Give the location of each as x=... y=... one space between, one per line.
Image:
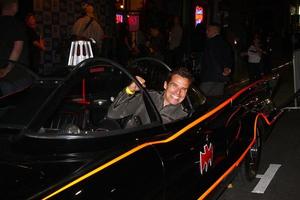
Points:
x=281 y=152
x=280 y=162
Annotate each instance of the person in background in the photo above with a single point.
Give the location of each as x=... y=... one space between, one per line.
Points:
x=266 y=57
x=255 y=53
x=88 y=28
x=123 y=44
x=217 y=62
x=156 y=43
x=35 y=42
x=139 y=48
x=168 y=103
x=175 y=39
x=12 y=47
x=198 y=38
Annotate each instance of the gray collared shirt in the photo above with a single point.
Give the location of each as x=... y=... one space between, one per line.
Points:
x=126 y=105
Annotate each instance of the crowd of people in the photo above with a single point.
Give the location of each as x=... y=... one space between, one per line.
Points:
x=23 y=43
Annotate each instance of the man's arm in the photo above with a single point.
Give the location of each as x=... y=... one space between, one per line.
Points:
x=119 y=108
x=14 y=56
x=126 y=102
x=40 y=44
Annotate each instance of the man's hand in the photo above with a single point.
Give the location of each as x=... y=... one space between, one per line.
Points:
x=42 y=44
x=133 y=87
x=226 y=71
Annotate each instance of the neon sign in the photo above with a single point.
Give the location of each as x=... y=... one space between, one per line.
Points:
x=133 y=22
x=119 y=18
x=199 y=15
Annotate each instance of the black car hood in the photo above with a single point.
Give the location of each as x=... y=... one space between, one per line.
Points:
x=18 y=110
x=26 y=174
x=23 y=180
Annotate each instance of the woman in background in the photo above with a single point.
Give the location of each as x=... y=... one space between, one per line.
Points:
x=35 y=43
x=255 y=53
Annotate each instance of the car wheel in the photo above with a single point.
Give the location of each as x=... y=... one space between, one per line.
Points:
x=252 y=159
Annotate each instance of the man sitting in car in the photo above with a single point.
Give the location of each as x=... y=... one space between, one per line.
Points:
x=168 y=102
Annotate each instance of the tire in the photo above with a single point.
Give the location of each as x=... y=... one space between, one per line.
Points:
x=251 y=163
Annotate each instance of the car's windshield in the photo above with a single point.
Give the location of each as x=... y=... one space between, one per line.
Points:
x=85 y=100
x=80 y=103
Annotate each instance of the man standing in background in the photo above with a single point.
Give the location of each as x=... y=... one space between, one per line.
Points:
x=216 y=63
x=175 y=39
x=87 y=28
x=12 y=47
x=36 y=44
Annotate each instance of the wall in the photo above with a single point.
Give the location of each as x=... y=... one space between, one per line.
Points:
x=55 y=19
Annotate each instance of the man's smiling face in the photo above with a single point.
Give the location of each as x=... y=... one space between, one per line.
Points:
x=175 y=90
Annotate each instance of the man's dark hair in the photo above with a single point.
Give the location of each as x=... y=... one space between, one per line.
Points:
x=181 y=71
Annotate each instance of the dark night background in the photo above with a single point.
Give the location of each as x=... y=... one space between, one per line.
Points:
x=240 y=19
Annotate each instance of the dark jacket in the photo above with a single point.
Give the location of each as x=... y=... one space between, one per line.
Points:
x=126 y=105
x=17 y=78
x=216 y=56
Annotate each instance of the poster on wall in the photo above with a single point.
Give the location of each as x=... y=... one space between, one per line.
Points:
x=133 y=23
x=119 y=18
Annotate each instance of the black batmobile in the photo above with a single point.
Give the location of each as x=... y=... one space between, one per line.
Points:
x=56 y=141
